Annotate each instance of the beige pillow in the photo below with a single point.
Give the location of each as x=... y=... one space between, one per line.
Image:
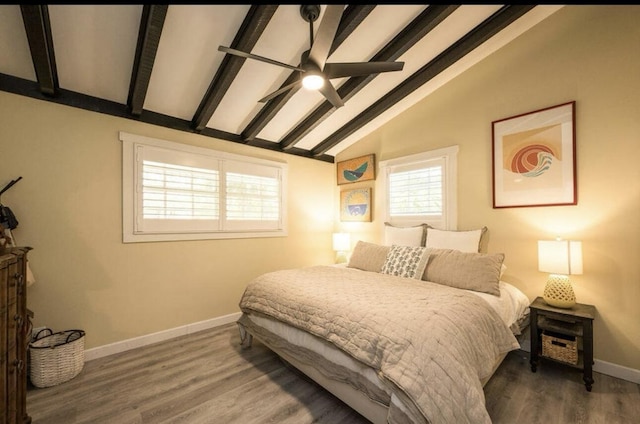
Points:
x=465 y=270
x=405 y=236
x=368 y=256
x=464 y=241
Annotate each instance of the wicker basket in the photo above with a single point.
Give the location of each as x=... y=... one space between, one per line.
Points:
x=560 y=347
x=56 y=358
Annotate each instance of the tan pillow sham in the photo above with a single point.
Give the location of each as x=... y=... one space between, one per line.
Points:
x=368 y=256
x=465 y=270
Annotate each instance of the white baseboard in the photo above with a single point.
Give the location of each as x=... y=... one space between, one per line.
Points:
x=117 y=347
x=607 y=368
x=618 y=371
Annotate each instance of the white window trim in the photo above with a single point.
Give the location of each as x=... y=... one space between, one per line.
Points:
x=129 y=142
x=450 y=157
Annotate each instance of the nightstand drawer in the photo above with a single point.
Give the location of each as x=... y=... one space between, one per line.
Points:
x=568 y=327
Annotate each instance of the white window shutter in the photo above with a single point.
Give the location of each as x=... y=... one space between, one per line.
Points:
x=252 y=196
x=421 y=188
x=173 y=191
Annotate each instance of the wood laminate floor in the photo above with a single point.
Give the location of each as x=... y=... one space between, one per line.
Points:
x=206 y=377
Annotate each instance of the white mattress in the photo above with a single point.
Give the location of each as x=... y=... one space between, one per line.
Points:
x=301 y=338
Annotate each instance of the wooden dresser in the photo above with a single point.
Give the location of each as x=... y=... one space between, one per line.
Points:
x=14 y=335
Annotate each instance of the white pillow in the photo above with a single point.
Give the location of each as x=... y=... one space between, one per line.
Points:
x=503 y=268
x=406 y=261
x=464 y=241
x=404 y=236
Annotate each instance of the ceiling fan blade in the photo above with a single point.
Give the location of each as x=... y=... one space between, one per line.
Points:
x=279 y=91
x=329 y=91
x=325 y=35
x=356 y=69
x=256 y=57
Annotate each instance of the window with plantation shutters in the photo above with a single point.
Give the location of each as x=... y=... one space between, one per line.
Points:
x=252 y=196
x=421 y=189
x=416 y=191
x=173 y=191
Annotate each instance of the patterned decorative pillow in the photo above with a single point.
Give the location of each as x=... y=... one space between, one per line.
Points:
x=406 y=261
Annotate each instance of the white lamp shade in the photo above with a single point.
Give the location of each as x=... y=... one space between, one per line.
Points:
x=560 y=257
x=341 y=242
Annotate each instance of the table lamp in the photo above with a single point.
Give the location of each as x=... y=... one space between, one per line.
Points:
x=342 y=245
x=560 y=258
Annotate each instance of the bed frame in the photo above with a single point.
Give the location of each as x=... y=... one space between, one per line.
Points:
x=375 y=412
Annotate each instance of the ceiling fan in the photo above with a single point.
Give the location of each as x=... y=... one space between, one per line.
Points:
x=314 y=69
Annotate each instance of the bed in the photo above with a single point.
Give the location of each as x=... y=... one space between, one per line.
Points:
x=387 y=340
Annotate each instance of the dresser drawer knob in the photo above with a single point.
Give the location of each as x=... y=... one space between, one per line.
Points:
x=19 y=364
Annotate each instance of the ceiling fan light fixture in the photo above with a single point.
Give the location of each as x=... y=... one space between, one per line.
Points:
x=312 y=81
x=316 y=73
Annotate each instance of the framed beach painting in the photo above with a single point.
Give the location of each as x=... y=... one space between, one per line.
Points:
x=534 y=158
x=355 y=205
x=357 y=169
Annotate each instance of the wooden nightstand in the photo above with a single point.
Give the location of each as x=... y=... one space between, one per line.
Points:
x=556 y=325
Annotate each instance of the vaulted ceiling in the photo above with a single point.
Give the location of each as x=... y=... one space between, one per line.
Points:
x=160 y=64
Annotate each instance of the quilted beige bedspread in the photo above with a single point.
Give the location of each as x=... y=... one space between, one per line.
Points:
x=432 y=343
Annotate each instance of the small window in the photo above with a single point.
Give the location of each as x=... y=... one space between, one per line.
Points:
x=173 y=191
x=421 y=188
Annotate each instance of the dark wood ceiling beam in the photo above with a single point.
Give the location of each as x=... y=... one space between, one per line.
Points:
x=424 y=23
x=28 y=88
x=38 y=29
x=353 y=16
x=250 y=31
x=483 y=32
x=151 y=24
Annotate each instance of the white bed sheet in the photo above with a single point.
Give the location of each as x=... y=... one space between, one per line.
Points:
x=511 y=305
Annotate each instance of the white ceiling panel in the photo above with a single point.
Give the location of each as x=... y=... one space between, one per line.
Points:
x=95 y=48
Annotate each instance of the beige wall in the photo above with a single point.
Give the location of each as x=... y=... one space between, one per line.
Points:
x=69 y=207
x=589 y=54
x=69 y=201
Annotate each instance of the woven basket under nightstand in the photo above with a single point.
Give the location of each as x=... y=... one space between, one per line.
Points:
x=560 y=347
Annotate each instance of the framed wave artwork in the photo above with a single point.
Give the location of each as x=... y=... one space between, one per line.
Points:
x=534 y=158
